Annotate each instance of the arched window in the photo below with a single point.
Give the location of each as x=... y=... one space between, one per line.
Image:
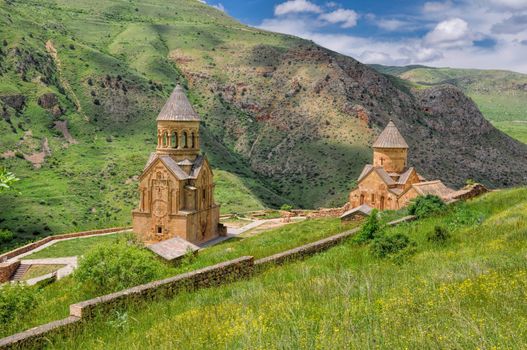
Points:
x=165 y=139
x=361 y=199
x=372 y=198
x=382 y=203
x=382 y=161
x=185 y=141
x=174 y=140
x=192 y=141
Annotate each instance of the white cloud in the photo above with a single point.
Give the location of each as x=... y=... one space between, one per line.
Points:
x=513 y=25
x=220 y=7
x=346 y=18
x=391 y=24
x=508 y=4
x=436 y=6
x=453 y=32
x=296 y=6
x=451 y=38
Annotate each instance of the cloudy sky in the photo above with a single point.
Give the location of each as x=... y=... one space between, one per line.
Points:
x=488 y=34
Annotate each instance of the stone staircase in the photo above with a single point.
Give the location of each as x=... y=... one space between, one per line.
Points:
x=19 y=273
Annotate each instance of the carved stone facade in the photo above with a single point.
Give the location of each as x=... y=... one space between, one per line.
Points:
x=389 y=184
x=176 y=187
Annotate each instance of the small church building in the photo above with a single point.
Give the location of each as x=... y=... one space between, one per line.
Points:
x=389 y=183
x=176 y=187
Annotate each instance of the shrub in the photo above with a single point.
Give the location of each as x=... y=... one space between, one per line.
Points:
x=117 y=266
x=385 y=246
x=424 y=206
x=370 y=229
x=6 y=236
x=439 y=235
x=15 y=300
x=286 y=207
x=463 y=215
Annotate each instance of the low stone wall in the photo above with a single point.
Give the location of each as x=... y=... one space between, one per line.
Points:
x=7 y=269
x=28 y=247
x=207 y=277
x=36 y=338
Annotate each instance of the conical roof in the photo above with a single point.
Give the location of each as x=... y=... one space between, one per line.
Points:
x=390 y=137
x=178 y=108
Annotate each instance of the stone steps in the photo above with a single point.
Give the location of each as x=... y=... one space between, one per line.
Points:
x=19 y=273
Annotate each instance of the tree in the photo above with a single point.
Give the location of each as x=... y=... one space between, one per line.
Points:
x=7 y=179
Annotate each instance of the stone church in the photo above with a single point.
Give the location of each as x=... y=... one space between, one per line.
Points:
x=389 y=183
x=176 y=187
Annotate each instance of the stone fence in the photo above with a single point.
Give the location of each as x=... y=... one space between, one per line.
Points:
x=215 y=275
x=28 y=247
x=7 y=270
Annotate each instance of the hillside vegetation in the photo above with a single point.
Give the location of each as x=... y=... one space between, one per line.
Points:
x=52 y=302
x=500 y=95
x=467 y=291
x=284 y=120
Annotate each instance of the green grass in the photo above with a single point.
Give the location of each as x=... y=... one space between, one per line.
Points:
x=40 y=270
x=516 y=129
x=468 y=293
x=73 y=247
x=56 y=298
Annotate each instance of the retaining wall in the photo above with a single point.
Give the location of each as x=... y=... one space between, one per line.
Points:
x=7 y=269
x=34 y=245
x=207 y=277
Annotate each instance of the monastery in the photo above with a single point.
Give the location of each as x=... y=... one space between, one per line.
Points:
x=176 y=187
x=389 y=183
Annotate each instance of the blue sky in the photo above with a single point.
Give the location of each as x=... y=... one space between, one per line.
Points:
x=490 y=34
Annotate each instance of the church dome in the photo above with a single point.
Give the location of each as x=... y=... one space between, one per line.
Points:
x=178 y=108
x=390 y=137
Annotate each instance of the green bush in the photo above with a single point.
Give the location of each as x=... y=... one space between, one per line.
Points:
x=117 y=266
x=370 y=229
x=388 y=246
x=6 y=236
x=464 y=216
x=439 y=235
x=286 y=207
x=15 y=299
x=424 y=206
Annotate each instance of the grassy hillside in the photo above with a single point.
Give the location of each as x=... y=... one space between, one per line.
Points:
x=284 y=120
x=500 y=95
x=52 y=302
x=466 y=293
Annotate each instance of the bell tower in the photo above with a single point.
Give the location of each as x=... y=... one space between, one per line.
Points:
x=390 y=150
x=178 y=128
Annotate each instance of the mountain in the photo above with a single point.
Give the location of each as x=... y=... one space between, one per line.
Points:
x=284 y=120
x=500 y=95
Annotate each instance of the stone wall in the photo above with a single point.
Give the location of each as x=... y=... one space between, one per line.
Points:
x=37 y=338
x=7 y=269
x=207 y=277
x=34 y=245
